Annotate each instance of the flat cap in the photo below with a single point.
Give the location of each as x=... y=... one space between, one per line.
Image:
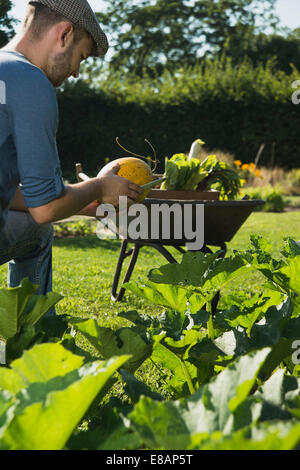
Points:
x=80 y=13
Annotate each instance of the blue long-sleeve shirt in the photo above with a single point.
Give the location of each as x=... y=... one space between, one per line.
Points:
x=28 y=126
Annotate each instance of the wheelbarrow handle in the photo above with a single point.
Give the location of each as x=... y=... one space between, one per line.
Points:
x=80 y=175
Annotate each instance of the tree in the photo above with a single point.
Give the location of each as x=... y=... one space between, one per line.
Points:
x=261 y=48
x=147 y=35
x=6 y=22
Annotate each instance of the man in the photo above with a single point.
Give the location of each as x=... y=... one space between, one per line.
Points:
x=56 y=36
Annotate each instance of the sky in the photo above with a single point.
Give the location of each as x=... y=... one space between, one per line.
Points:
x=287 y=10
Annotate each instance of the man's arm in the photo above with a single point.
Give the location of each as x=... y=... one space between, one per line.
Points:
x=79 y=198
x=18 y=204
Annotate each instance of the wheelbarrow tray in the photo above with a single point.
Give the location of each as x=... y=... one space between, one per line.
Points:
x=222 y=220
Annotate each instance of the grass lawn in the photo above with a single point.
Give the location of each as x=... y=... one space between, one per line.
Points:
x=293 y=201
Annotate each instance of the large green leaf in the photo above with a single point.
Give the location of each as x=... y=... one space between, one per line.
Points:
x=276 y=330
x=190 y=272
x=206 y=272
x=288 y=276
x=40 y=364
x=173 y=323
x=172 y=362
x=223 y=272
x=178 y=298
x=49 y=411
x=278 y=394
x=215 y=407
x=244 y=311
x=292 y=248
x=273 y=435
x=20 y=306
x=173 y=354
x=281 y=273
x=207 y=352
x=12 y=304
x=110 y=343
x=37 y=306
x=8 y=404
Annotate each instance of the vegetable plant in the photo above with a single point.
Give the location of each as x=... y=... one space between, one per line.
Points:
x=232 y=373
x=192 y=341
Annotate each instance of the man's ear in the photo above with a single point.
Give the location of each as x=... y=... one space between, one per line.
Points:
x=65 y=34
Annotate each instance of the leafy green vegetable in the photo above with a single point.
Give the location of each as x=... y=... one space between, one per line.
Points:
x=182 y=173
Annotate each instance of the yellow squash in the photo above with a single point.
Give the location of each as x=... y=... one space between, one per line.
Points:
x=135 y=170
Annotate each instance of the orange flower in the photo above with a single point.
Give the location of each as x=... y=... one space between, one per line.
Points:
x=258 y=173
x=237 y=162
x=245 y=166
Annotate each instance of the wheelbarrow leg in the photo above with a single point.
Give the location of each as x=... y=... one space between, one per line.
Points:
x=115 y=296
x=118 y=296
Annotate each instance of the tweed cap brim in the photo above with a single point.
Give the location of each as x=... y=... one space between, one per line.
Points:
x=80 y=13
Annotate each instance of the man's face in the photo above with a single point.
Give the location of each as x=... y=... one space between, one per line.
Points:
x=63 y=65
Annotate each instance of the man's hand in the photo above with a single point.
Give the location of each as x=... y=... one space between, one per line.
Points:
x=113 y=186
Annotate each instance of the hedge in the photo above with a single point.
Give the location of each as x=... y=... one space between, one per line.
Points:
x=233 y=110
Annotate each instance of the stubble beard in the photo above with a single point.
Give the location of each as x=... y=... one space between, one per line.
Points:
x=60 y=68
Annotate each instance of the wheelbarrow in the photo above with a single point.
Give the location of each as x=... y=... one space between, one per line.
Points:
x=222 y=220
